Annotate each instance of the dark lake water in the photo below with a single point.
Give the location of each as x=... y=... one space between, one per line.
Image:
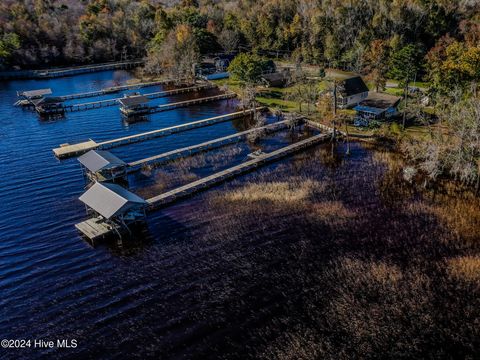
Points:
x=54 y=284
x=194 y=283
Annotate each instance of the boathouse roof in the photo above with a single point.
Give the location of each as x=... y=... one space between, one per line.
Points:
x=134 y=100
x=49 y=100
x=111 y=200
x=36 y=93
x=96 y=160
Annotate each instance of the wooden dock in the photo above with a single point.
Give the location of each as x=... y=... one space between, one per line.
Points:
x=166 y=107
x=112 y=102
x=95 y=228
x=116 y=89
x=186 y=190
x=208 y=145
x=69 y=71
x=69 y=150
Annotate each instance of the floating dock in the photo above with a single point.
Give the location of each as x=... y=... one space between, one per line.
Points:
x=154 y=109
x=69 y=150
x=112 y=102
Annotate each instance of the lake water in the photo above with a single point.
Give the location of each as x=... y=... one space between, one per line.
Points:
x=194 y=283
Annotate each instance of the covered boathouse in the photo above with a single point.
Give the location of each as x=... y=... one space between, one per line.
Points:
x=376 y=107
x=115 y=209
x=98 y=165
x=50 y=105
x=134 y=105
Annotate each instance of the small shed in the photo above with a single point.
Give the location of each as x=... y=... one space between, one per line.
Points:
x=276 y=79
x=377 y=106
x=101 y=165
x=133 y=104
x=114 y=203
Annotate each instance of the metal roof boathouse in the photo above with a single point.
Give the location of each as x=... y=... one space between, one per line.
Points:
x=134 y=105
x=101 y=165
x=115 y=209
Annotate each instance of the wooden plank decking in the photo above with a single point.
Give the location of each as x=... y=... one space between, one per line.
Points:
x=112 y=102
x=115 y=89
x=68 y=150
x=94 y=228
x=218 y=177
x=208 y=145
x=166 y=107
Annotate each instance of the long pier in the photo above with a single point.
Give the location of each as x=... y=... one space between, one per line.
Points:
x=96 y=227
x=155 y=95
x=115 y=89
x=207 y=145
x=69 y=71
x=246 y=166
x=166 y=107
x=69 y=150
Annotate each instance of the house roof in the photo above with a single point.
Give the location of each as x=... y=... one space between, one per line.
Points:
x=96 y=160
x=110 y=199
x=380 y=100
x=36 y=93
x=352 y=86
x=133 y=100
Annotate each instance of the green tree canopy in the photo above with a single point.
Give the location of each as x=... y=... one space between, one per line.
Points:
x=248 y=68
x=404 y=64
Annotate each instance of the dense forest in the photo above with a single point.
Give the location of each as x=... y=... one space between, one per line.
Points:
x=340 y=33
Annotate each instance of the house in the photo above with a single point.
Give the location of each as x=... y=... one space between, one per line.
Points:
x=101 y=165
x=276 y=79
x=350 y=92
x=377 y=106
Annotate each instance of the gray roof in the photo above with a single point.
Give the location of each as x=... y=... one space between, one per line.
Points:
x=47 y=100
x=96 y=160
x=352 y=86
x=380 y=100
x=36 y=93
x=110 y=199
x=133 y=100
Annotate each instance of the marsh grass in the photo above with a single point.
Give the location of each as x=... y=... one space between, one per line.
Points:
x=340 y=259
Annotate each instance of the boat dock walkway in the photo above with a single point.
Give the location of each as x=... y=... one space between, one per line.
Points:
x=208 y=145
x=69 y=150
x=188 y=189
x=95 y=227
x=69 y=71
x=166 y=107
x=115 y=89
x=155 y=95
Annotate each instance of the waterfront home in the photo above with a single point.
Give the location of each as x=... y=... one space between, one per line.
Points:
x=351 y=91
x=377 y=106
